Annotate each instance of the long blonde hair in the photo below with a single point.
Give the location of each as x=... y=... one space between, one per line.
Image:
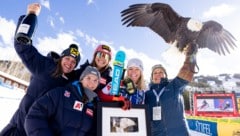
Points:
x=140 y=85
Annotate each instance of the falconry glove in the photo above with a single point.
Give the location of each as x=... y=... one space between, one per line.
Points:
x=188 y=69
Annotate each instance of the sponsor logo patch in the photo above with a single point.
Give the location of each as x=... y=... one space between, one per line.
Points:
x=78 y=105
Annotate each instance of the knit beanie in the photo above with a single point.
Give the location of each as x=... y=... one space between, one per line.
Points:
x=72 y=51
x=135 y=62
x=159 y=66
x=90 y=70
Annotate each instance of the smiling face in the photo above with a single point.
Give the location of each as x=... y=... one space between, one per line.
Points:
x=134 y=73
x=157 y=74
x=101 y=59
x=90 y=82
x=68 y=64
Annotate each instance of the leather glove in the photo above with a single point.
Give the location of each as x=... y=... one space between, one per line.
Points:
x=191 y=53
x=188 y=69
x=124 y=102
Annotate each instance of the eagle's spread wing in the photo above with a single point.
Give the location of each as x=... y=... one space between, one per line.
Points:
x=216 y=38
x=159 y=17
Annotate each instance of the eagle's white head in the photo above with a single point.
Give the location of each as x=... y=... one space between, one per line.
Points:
x=126 y=122
x=194 y=25
x=123 y=124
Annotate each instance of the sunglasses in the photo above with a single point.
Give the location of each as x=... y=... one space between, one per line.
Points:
x=103 y=55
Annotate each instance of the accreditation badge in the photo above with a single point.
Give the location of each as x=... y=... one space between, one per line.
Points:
x=157 y=113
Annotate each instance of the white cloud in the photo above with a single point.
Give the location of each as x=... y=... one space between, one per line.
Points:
x=58 y=44
x=91 y=40
x=7 y=29
x=219 y=11
x=50 y=20
x=80 y=33
x=90 y=2
x=61 y=19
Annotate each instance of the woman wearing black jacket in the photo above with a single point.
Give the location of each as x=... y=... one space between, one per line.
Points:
x=46 y=74
x=66 y=111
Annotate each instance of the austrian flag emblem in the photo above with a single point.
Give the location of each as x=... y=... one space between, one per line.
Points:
x=67 y=94
x=89 y=112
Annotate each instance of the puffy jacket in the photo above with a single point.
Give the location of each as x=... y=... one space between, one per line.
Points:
x=172 y=121
x=41 y=68
x=62 y=111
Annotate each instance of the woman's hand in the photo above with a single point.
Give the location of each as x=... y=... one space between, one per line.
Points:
x=34 y=8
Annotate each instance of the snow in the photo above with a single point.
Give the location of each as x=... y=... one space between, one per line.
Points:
x=10 y=98
x=9 y=101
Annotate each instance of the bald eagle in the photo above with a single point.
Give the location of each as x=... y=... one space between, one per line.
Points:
x=181 y=31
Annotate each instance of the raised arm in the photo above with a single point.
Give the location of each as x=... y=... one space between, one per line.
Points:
x=188 y=69
x=31 y=58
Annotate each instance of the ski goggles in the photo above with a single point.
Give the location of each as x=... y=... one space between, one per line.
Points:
x=103 y=55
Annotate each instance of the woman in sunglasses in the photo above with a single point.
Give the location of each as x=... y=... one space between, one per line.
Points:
x=101 y=59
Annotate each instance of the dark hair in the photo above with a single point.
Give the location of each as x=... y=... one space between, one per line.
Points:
x=58 y=71
x=93 y=63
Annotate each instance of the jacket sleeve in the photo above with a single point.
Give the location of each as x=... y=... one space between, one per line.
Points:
x=36 y=121
x=31 y=58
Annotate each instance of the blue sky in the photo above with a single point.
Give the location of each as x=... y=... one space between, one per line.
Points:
x=92 y=22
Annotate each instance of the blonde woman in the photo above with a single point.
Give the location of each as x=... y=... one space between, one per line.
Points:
x=132 y=87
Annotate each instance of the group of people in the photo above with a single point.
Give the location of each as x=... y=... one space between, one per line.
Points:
x=61 y=98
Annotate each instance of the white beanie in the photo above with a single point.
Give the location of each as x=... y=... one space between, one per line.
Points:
x=135 y=62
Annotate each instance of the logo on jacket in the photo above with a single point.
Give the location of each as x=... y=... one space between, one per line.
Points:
x=103 y=81
x=78 y=105
x=89 y=112
x=67 y=93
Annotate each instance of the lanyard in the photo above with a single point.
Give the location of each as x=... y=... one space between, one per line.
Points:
x=158 y=95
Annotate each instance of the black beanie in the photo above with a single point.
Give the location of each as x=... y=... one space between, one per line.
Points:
x=72 y=51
